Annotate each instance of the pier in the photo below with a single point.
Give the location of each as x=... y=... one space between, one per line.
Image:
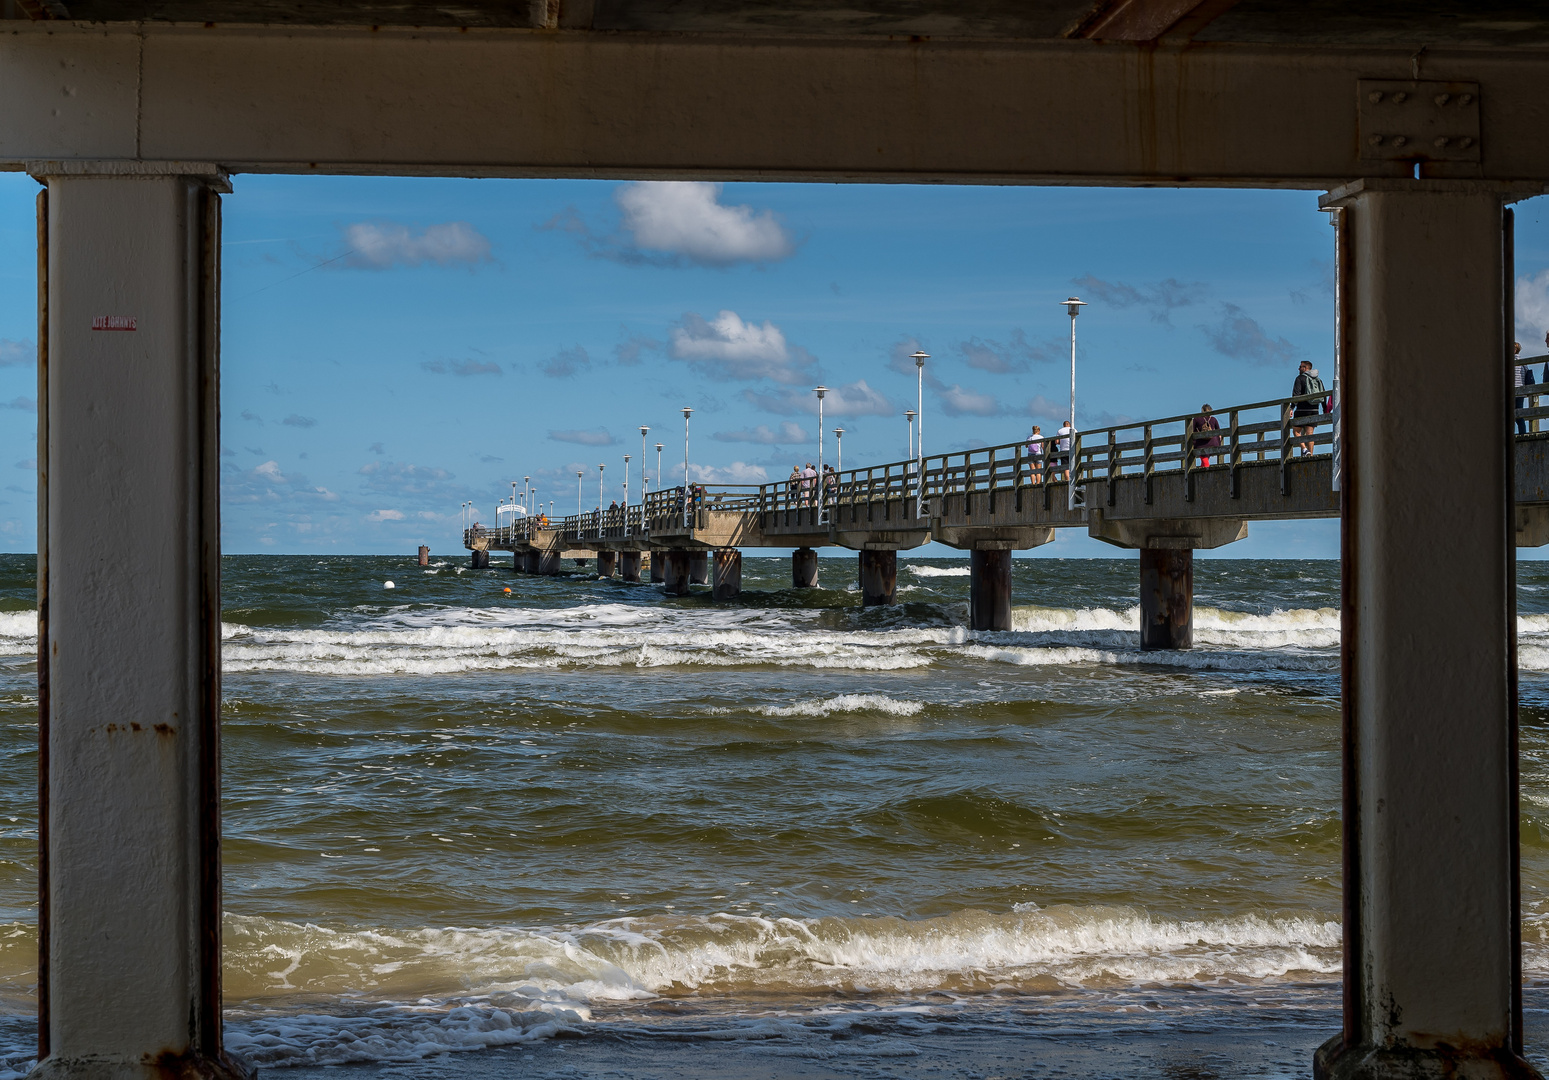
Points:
x=1140 y=486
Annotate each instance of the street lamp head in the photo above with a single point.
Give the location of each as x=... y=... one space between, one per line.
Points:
x=919 y=356
x=820 y=391
x=658 y=448
x=1073 y=306
x=626 y=457
x=686 y=411
x=600 y=466
x=909 y=415
x=643 y=430
x=838 y=432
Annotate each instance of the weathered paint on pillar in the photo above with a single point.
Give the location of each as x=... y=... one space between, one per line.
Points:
x=531 y=560
x=629 y=565
x=424 y=555
x=129 y=629
x=550 y=563
x=1166 y=598
x=605 y=563
x=675 y=572
x=878 y=577
x=804 y=568
x=1432 y=976
x=989 y=589
x=479 y=559
x=658 y=565
x=699 y=567
x=727 y=581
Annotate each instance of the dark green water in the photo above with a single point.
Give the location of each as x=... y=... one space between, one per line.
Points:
x=460 y=818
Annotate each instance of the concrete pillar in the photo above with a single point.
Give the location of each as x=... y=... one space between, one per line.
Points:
x=129 y=926
x=629 y=565
x=658 y=565
x=675 y=572
x=989 y=589
x=550 y=562
x=699 y=567
x=531 y=558
x=804 y=568
x=1431 y=935
x=424 y=555
x=479 y=559
x=1166 y=598
x=727 y=582
x=879 y=577
x=605 y=563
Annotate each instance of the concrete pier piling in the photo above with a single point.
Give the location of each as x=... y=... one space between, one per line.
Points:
x=727 y=581
x=804 y=568
x=424 y=555
x=531 y=558
x=878 y=577
x=480 y=559
x=550 y=563
x=675 y=572
x=629 y=565
x=1166 y=598
x=658 y=566
x=699 y=567
x=989 y=589
x=606 y=560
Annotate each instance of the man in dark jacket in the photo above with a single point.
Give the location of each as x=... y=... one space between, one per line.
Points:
x=1305 y=412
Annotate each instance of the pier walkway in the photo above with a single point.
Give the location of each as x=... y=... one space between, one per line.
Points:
x=1147 y=485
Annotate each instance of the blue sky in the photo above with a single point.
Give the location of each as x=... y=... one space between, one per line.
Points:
x=393 y=347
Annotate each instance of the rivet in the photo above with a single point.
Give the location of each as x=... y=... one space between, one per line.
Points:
x=1465 y=99
x=1442 y=99
x=1375 y=140
x=1465 y=142
x=1399 y=140
x=1441 y=140
x=1374 y=97
x=1400 y=97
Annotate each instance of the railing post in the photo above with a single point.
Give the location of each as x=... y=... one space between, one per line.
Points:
x=1236 y=456
x=1113 y=464
x=1285 y=448
x=1188 y=461
x=1148 y=464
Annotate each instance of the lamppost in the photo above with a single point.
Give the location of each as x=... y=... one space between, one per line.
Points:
x=1074 y=306
x=526 y=492
x=909 y=416
x=686 y=412
x=626 y=481
x=645 y=481
x=919 y=356
x=839 y=442
x=578 y=493
x=513 y=499
x=821 y=392
x=600 y=467
x=658 y=467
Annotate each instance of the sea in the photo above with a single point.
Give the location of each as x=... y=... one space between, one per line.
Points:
x=468 y=810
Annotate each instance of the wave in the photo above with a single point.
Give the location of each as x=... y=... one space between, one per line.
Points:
x=842 y=703
x=1193 y=660
x=938 y=571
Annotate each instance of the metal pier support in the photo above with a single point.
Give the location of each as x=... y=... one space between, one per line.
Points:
x=424 y=555
x=804 y=568
x=727 y=581
x=989 y=589
x=1166 y=598
x=629 y=565
x=530 y=560
x=878 y=576
x=1432 y=963
x=129 y=662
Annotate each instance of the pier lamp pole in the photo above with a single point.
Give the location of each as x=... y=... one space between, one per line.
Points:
x=526 y=492
x=919 y=356
x=513 y=498
x=1074 y=306
x=839 y=442
x=909 y=416
x=645 y=481
x=626 y=481
x=658 y=467
x=686 y=412
x=600 y=467
x=821 y=392
x=578 y=475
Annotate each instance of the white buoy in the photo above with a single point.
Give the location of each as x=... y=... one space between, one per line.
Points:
x=388 y=585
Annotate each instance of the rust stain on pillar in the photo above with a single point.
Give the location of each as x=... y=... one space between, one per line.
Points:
x=1166 y=598
x=879 y=577
x=804 y=568
x=989 y=589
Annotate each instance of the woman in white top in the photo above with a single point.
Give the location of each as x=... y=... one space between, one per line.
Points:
x=1035 y=453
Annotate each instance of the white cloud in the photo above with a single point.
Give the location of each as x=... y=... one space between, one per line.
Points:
x=385 y=515
x=728 y=348
x=270 y=470
x=686 y=218
x=789 y=434
x=594 y=437
x=1532 y=311
x=380 y=245
x=17 y=353
x=956 y=401
x=738 y=472
x=855 y=399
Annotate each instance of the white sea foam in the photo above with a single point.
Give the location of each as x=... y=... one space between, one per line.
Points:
x=1195 y=660
x=938 y=571
x=841 y=703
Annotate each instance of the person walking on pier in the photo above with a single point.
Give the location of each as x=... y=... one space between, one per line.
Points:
x=1066 y=433
x=809 y=484
x=793 y=487
x=1305 y=413
x=1035 y=453
x=1522 y=377
x=1203 y=444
